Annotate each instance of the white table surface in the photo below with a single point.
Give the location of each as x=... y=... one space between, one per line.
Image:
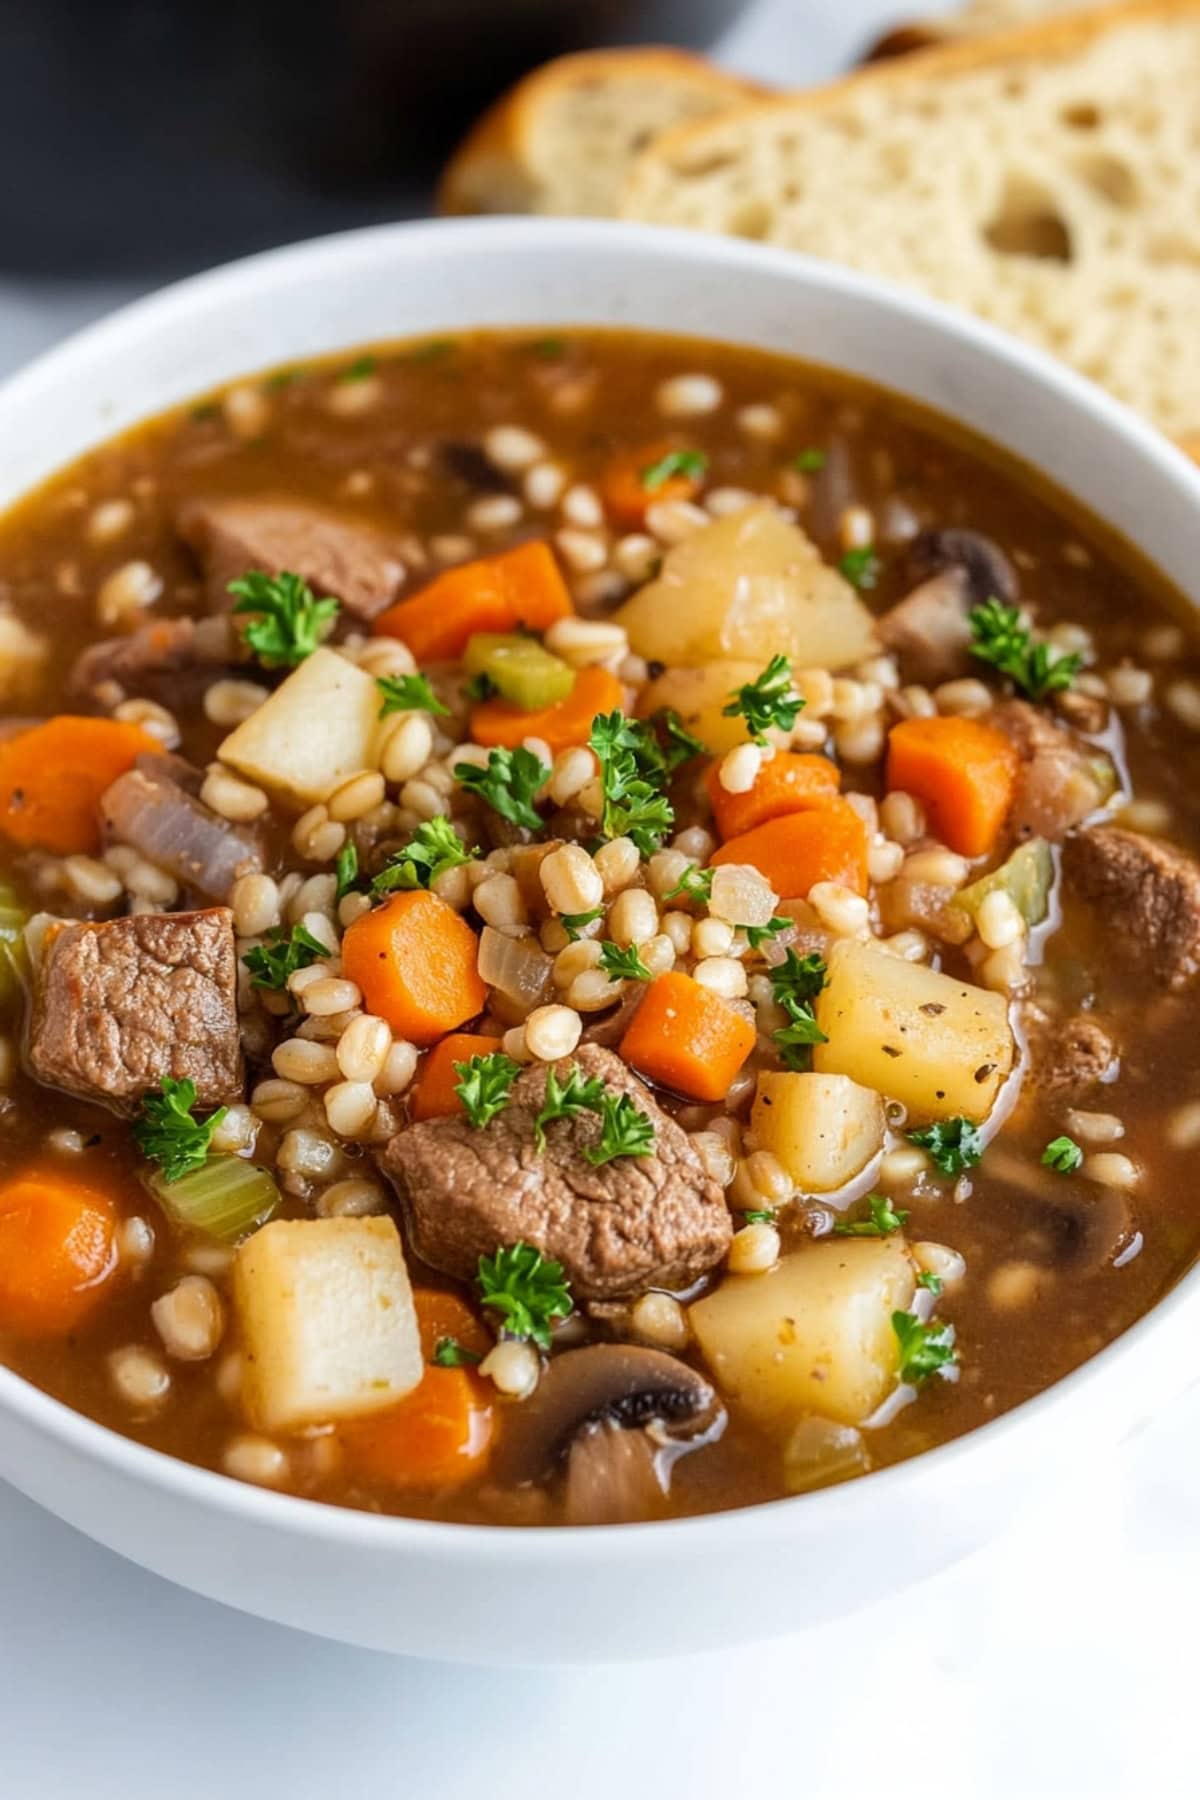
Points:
x=1058 y=1663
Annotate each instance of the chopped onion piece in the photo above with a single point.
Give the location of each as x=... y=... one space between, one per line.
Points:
x=14 y=957
x=821 y=1452
x=518 y=968
x=226 y=1199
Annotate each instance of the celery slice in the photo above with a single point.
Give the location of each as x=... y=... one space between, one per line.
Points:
x=14 y=959
x=1026 y=878
x=520 y=669
x=226 y=1199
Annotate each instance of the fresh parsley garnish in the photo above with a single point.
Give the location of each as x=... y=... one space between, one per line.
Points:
x=283 y=952
x=408 y=693
x=435 y=351
x=549 y=349
x=508 y=784
x=573 y=923
x=565 y=1099
x=760 y=1215
x=795 y=984
x=809 y=461
x=757 y=935
x=690 y=463
x=861 y=567
x=681 y=743
x=694 y=884
x=624 y=964
x=633 y=765
x=433 y=848
x=796 y=1039
x=884 y=1219
x=167 y=1134
x=346 y=867
x=924 y=1349
x=927 y=1279
x=289 y=621
x=360 y=368
x=952 y=1144
x=283 y=378
x=448 y=1353
x=1001 y=637
x=624 y=1131
x=483 y=1086
x=529 y=1292
x=1062 y=1154
x=770 y=699
x=480 y=687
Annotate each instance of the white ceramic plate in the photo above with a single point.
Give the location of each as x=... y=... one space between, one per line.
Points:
x=492 y=1595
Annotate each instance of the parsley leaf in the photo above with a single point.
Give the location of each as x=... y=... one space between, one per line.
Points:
x=681 y=744
x=1062 y=1154
x=861 y=567
x=448 y=1353
x=757 y=935
x=548 y=349
x=284 y=952
x=508 y=784
x=625 y=1131
x=924 y=1349
x=433 y=848
x=167 y=1134
x=795 y=984
x=359 y=369
x=623 y=964
x=289 y=622
x=770 y=699
x=795 y=1040
x=346 y=866
x=883 y=1221
x=1001 y=638
x=483 y=1085
x=927 y=1279
x=573 y=923
x=952 y=1144
x=408 y=693
x=480 y=687
x=694 y=884
x=529 y=1292
x=689 y=463
x=809 y=461
x=761 y=1215
x=564 y=1099
x=632 y=764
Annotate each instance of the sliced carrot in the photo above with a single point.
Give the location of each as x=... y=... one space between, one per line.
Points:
x=57 y=1252
x=794 y=852
x=567 y=722
x=442 y=1315
x=434 y=1097
x=623 y=489
x=52 y=778
x=786 y=783
x=415 y=961
x=962 y=771
x=438 y=1436
x=522 y=586
x=686 y=1038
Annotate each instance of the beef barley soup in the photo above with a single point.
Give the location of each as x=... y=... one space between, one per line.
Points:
x=593 y=927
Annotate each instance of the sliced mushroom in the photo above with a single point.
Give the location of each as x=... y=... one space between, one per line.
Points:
x=989 y=573
x=471 y=465
x=928 y=629
x=1082 y=1226
x=609 y=1419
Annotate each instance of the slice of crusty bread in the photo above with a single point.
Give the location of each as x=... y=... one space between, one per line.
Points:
x=563 y=140
x=978 y=18
x=1048 y=179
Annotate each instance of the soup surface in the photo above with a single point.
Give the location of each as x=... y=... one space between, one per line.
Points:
x=595 y=927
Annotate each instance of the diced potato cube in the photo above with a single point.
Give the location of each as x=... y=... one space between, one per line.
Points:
x=700 y=696
x=813 y=1336
x=823 y=1128
x=319 y=726
x=23 y=656
x=937 y=1044
x=743 y=588
x=329 y=1330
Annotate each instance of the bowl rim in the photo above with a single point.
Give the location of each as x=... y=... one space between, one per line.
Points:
x=307 y=1518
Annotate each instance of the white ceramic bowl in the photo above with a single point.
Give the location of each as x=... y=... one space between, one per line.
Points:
x=474 y=1594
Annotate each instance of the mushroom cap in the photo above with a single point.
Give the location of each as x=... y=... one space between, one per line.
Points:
x=990 y=575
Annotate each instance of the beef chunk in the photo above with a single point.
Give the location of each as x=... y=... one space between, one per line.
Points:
x=118 y=1005
x=151 y=658
x=1147 y=893
x=344 y=558
x=638 y=1222
x=154 y=808
x=928 y=630
x=1061 y=779
x=1069 y=1058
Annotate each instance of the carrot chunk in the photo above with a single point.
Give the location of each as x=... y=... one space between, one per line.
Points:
x=498 y=723
x=438 y=1436
x=794 y=852
x=623 y=489
x=962 y=771
x=415 y=960
x=786 y=783
x=442 y=1315
x=434 y=1097
x=686 y=1038
x=52 y=778
x=57 y=1252
x=523 y=586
